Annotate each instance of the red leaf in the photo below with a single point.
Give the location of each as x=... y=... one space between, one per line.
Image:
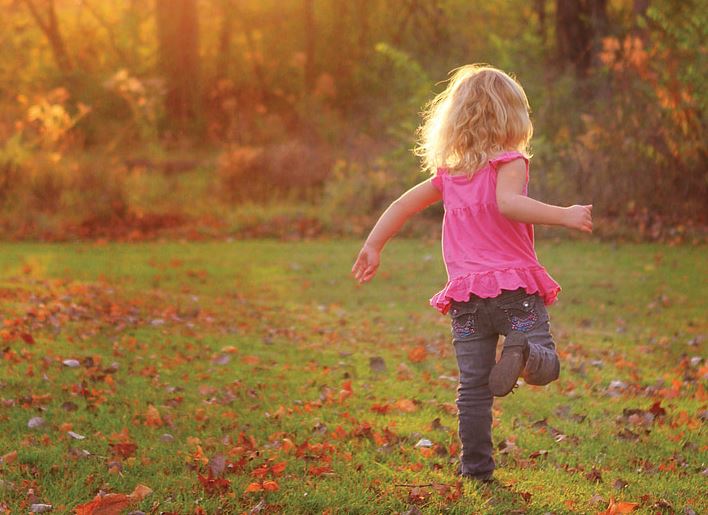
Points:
x=381 y=408
x=657 y=410
x=213 y=484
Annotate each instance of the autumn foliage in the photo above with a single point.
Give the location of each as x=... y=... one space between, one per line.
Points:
x=203 y=118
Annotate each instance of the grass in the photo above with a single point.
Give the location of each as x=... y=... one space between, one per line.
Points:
x=238 y=356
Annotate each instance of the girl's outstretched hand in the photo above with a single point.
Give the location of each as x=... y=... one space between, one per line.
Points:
x=579 y=218
x=366 y=264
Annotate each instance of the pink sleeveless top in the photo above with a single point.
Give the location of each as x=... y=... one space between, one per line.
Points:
x=485 y=252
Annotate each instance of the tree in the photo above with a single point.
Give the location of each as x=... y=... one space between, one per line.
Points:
x=579 y=25
x=178 y=34
x=226 y=29
x=309 y=26
x=49 y=25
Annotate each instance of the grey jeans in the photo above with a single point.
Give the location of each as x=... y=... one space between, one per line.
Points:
x=476 y=326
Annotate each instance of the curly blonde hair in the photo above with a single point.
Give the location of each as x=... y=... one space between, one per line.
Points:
x=483 y=111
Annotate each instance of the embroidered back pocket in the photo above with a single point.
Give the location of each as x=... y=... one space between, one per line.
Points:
x=464 y=319
x=523 y=314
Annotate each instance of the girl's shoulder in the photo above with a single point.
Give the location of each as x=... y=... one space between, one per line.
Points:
x=507 y=156
x=443 y=174
x=437 y=179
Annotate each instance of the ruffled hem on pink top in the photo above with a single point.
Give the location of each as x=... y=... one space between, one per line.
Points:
x=491 y=283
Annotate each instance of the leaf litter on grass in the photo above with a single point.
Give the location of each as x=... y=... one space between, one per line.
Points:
x=230 y=431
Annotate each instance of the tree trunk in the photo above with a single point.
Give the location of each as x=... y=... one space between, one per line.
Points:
x=363 y=47
x=50 y=28
x=579 y=26
x=573 y=34
x=339 y=38
x=639 y=10
x=540 y=8
x=227 y=22
x=309 y=26
x=178 y=34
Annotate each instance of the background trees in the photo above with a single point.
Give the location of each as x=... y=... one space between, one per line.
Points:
x=616 y=86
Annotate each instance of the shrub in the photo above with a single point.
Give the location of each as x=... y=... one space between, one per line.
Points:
x=291 y=169
x=295 y=166
x=54 y=191
x=12 y=154
x=238 y=174
x=98 y=193
x=45 y=181
x=355 y=193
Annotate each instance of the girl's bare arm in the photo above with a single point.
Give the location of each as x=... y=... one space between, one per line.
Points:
x=513 y=204
x=389 y=223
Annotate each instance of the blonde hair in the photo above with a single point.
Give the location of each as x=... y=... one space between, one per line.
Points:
x=483 y=111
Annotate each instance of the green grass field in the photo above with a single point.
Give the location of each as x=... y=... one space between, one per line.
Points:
x=237 y=376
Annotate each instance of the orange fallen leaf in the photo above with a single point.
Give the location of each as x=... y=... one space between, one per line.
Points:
x=426 y=451
x=619 y=507
x=339 y=433
x=417 y=354
x=344 y=394
x=287 y=445
x=253 y=487
x=346 y=391
x=278 y=468
x=251 y=360
x=152 y=417
x=8 y=458
x=270 y=486
x=318 y=471
x=260 y=471
x=406 y=405
x=112 y=504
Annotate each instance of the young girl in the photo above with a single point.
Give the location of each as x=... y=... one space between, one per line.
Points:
x=474 y=141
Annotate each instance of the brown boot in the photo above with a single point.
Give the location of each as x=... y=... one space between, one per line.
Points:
x=502 y=378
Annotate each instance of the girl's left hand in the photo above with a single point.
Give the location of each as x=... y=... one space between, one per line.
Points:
x=366 y=264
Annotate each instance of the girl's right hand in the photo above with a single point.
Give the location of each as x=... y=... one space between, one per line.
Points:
x=366 y=264
x=579 y=218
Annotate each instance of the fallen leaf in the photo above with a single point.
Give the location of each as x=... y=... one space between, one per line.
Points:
x=619 y=484
x=406 y=405
x=537 y=454
x=417 y=354
x=35 y=422
x=152 y=417
x=377 y=364
x=270 y=486
x=619 y=507
x=214 y=485
x=8 y=458
x=112 y=504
